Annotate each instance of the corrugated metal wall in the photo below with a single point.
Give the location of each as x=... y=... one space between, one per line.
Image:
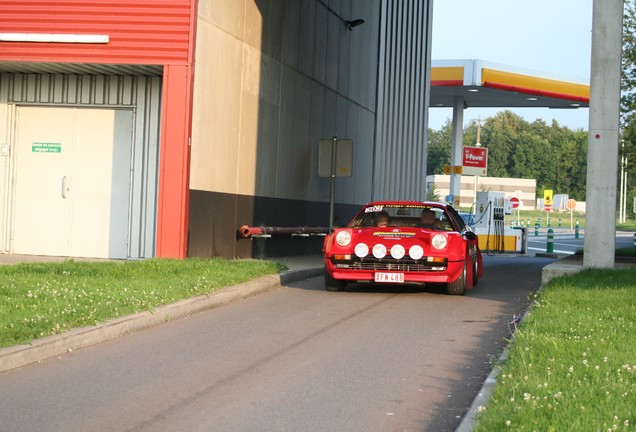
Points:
x=401 y=131
x=140 y=31
x=141 y=94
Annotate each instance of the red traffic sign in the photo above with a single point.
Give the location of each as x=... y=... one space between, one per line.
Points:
x=570 y=204
x=515 y=202
x=548 y=207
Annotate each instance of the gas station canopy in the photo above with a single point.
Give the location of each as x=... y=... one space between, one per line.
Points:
x=461 y=84
x=482 y=84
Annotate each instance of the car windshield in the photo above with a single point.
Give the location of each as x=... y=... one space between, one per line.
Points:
x=392 y=215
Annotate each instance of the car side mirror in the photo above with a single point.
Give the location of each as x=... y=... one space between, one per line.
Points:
x=469 y=235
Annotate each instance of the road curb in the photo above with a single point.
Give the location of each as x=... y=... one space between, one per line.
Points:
x=74 y=339
x=485 y=392
x=483 y=397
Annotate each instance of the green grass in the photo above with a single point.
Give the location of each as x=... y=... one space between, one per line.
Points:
x=627 y=226
x=533 y=215
x=38 y=300
x=572 y=363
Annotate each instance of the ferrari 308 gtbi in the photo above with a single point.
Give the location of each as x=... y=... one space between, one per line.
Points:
x=404 y=242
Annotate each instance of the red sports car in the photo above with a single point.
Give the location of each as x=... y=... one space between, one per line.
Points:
x=404 y=242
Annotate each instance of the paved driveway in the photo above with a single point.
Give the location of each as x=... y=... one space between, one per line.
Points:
x=294 y=359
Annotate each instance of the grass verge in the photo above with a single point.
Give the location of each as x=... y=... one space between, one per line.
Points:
x=627 y=226
x=620 y=252
x=572 y=363
x=39 y=300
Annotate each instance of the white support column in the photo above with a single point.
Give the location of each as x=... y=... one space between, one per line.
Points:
x=456 y=148
x=602 y=157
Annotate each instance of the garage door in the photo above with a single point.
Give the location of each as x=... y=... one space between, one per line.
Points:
x=72 y=188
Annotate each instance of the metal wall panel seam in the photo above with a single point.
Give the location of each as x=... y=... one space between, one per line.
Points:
x=428 y=28
x=376 y=174
x=383 y=67
x=394 y=78
x=402 y=29
x=414 y=107
x=408 y=112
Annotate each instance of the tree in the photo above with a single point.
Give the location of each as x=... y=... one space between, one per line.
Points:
x=439 y=149
x=554 y=155
x=628 y=95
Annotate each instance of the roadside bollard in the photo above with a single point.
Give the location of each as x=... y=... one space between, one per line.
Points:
x=512 y=223
x=635 y=240
x=550 y=243
x=549 y=222
x=536 y=230
x=576 y=230
x=539 y=222
x=559 y=222
x=528 y=223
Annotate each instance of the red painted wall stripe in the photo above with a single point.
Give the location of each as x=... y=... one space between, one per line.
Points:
x=174 y=162
x=140 y=31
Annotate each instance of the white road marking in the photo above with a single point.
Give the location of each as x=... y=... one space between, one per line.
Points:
x=555 y=251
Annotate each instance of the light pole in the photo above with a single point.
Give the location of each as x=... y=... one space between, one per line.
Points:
x=622 y=207
x=477 y=144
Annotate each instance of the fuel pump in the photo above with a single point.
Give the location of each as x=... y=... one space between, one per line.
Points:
x=489 y=213
x=494 y=237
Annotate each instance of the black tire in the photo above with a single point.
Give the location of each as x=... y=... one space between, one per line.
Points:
x=475 y=272
x=458 y=286
x=332 y=284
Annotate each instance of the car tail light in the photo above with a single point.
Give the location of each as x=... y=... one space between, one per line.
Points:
x=343 y=238
x=397 y=251
x=439 y=241
x=416 y=252
x=379 y=251
x=361 y=250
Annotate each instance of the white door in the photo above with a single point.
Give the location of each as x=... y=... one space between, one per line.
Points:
x=72 y=182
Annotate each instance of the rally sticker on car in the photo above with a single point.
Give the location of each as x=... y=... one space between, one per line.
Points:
x=394 y=233
x=373 y=209
x=389 y=277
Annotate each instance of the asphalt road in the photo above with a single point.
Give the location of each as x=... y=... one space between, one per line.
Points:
x=566 y=243
x=294 y=359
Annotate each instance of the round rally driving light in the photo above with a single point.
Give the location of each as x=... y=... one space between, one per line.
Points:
x=397 y=251
x=379 y=251
x=361 y=250
x=416 y=252
x=439 y=241
x=343 y=238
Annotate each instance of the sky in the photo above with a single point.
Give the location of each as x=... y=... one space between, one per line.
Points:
x=552 y=36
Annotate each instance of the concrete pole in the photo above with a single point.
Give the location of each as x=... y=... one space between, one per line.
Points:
x=456 y=148
x=602 y=157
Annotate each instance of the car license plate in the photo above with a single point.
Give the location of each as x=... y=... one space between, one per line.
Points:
x=389 y=277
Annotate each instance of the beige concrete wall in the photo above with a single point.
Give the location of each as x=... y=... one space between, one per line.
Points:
x=271 y=79
x=524 y=189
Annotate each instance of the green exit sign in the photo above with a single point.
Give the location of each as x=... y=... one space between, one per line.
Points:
x=45 y=147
